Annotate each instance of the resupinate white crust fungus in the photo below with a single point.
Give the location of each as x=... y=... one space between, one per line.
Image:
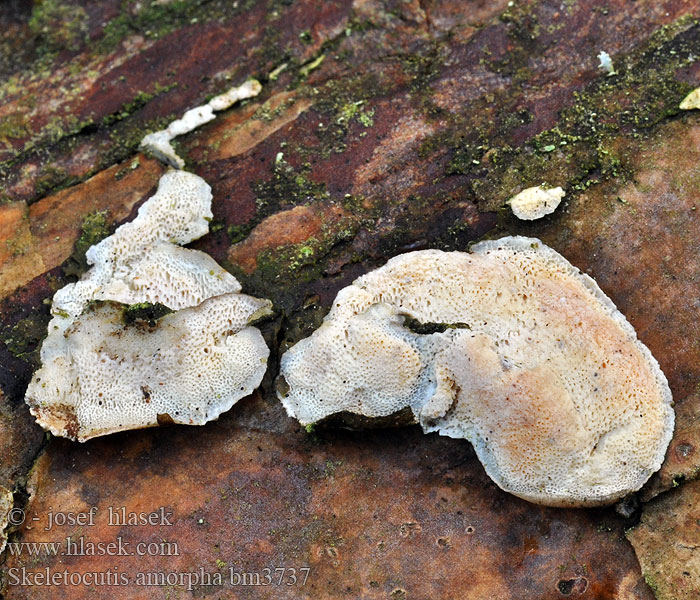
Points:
x=536 y=202
x=101 y=373
x=527 y=359
x=6 y=504
x=159 y=142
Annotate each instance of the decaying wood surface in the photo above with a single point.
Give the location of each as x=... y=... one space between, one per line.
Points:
x=383 y=126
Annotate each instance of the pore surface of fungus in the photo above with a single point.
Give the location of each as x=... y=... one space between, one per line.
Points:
x=536 y=202
x=188 y=367
x=143 y=261
x=103 y=373
x=527 y=359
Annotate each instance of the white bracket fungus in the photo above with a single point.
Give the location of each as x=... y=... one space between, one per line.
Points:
x=143 y=261
x=528 y=360
x=100 y=375
x=159 y=142
x=691 y=101
x=193 y=364
x=536 y=202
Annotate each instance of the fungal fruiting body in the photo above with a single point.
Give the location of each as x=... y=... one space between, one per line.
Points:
x=189 y=367
x=606 y=63
x=536 y=202
x=691 y=101
x=143 y=261
x=159 y=142
x=528 y=360
x=101 y=373
x=6 y=504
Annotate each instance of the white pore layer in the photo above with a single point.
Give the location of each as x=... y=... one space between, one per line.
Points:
x=142 y=262
x=539 y=370
x=159 y=142
x=189 y=368
x=536 y=202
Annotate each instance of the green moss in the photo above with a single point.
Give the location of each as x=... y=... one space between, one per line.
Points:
x=281 y=271
x=422 y=68
x=288 y=186
x=265 y=113
x=283 y=268
x=594 y=135
x=465 y=159
x=330 y=468
x=154 y=20
x=125 y=136
x=145 y=311
x=310 y=66
x=651 y=582
x=355 y=111
x=237 y=233
x=136 y=103
x=216 y=226
x=123 y=172
x=93 y=230
x=523 y=31
x=342 y=102
x=49 y=178
x=296 y=262
x=24 y=339
x=13 y=126
x=58 y=25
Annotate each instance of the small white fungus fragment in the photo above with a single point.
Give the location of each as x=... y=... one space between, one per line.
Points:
x=6 y=504
x=529 y=361
x=536 y=202
x=249 y=89
x=100 y=374
x=691 y=101
x=159 y=142
x=606 y=63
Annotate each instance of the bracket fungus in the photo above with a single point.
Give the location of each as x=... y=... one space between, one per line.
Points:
x=536 y=202
x=103 y=373
x=527 y=359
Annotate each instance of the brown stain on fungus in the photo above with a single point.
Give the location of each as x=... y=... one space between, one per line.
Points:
x=60 y=417
x=165 y=419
